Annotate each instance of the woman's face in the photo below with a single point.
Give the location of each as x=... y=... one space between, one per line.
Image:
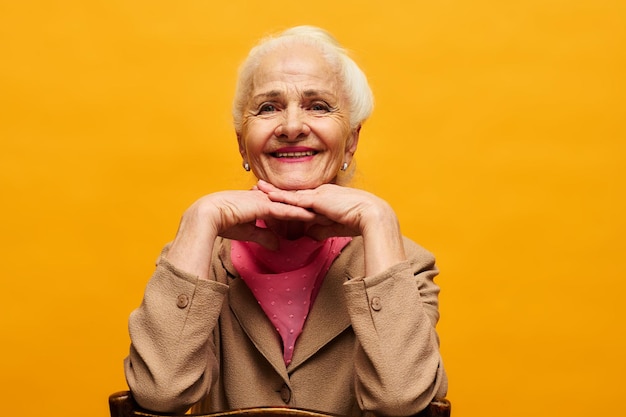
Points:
x=296 y=126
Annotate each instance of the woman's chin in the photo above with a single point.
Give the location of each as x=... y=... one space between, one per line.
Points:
x=295 y=182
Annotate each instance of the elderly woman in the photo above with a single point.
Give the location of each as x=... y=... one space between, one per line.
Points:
x=301 y=291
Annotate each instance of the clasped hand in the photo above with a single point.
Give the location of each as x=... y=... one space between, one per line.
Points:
x=322 y=212
x=326 y=211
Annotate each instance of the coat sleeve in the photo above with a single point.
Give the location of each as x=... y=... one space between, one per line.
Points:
x=398 y=367
x=172 y=361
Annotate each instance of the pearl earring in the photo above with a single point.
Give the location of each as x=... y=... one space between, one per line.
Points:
x=344 y=166
x=246 y=166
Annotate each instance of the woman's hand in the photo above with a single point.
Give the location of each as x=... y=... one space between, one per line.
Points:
x=230 y=214
x=344 y=211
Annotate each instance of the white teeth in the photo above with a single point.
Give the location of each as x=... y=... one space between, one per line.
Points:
x=294 y=154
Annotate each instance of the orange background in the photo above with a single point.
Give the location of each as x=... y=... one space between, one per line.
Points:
x=498 y=136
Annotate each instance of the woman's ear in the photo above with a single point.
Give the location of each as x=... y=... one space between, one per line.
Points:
x=352 y=143
x=242 y=147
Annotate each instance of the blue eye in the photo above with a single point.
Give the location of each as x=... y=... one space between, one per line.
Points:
x=267 y=108
x=320 y=107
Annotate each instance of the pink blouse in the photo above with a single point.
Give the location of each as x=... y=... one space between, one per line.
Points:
x=285 y=282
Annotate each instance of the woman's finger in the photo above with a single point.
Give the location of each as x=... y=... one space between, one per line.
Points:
x=300 y=198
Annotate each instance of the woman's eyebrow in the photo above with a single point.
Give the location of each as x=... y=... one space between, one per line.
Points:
x=311 y=93
x=268 y=95
x=317 y=93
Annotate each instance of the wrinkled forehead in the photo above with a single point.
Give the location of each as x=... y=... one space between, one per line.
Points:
x=297 y=66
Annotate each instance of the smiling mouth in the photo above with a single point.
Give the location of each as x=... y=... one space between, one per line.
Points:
x=293 y=154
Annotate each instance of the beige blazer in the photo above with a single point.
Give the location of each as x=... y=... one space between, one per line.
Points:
x=368 y=345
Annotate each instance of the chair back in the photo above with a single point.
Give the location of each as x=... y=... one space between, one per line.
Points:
x=122 y=404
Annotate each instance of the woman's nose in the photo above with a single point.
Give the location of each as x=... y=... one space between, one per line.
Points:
x=293 y=125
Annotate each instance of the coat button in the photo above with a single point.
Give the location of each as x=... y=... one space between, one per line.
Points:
x=182 y=301
x=376 y=304
x=285 y=394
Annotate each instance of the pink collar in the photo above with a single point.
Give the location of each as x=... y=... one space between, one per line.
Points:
x=285 y=282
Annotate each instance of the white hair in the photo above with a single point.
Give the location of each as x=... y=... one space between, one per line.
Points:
x=351 y=77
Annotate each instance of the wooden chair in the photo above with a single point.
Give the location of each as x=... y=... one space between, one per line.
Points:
x=122 y=404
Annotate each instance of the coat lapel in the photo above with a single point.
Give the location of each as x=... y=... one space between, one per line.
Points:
x=257 y=326
x=251 y=317
x=327 y=319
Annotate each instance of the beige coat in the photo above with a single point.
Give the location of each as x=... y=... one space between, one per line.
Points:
x=369 y=343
